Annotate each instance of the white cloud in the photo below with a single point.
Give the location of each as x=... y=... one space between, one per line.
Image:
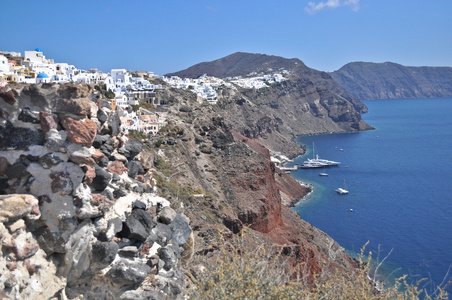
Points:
x=354 y=4
x=313 y=7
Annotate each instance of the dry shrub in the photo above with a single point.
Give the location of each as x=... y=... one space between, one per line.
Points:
x=242 y=273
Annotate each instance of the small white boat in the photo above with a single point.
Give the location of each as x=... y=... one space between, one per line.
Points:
x=351 y=209
x=323 y=174
x=341 y=191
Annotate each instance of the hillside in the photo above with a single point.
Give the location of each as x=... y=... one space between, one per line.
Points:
x=388 y=80
x=87 y=211
x=242 y=64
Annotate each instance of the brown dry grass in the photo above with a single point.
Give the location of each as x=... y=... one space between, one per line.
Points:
x=241 y=273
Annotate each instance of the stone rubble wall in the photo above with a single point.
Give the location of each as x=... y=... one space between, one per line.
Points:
x=80 y=217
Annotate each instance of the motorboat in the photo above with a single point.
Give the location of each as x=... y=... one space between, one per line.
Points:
x=341 y=191
x=323 y=174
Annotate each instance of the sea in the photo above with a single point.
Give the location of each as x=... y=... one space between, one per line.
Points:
x=399 y=178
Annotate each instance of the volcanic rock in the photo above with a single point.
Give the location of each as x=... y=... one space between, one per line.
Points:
x=48 y=121
x=101 y=180
x=80 y=131
x=104 y=252
x=138 y=225
x=129 y=273
x=28 y=116
x=19 y=138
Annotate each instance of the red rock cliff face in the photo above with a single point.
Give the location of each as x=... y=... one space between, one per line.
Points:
x=255 y=194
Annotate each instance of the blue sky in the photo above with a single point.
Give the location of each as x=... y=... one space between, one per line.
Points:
x=167 y=36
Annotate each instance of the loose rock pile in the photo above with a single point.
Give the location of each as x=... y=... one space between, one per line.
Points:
x=79 y=211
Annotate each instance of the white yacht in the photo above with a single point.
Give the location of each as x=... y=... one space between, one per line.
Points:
x=325 y=161
x=316 y=162
x=312 y=164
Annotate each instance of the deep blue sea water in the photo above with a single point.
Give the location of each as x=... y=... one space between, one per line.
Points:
x=400 y=182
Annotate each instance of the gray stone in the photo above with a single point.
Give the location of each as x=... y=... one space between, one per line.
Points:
x=143 y=295
x=114 y=226
x=100 y=182
x=181 y=230
x=3 y=185
x=116 y=177
x=106 y=149
x=114 y=123
x=153 y=261
x=138 y=189
x=128 y=273
x=50 y=242
x=134 y=147
x=135 y=168
x=139 y=204
x=102 y=116
x=77 y=258
x=167 y=215
x=168 y=256
x=129 y=251
x=26 y=115
x=138 y=225
x=118 y=193
x=17 y=170
x=185 y=108
x=99 y=140
x=19 y=138
x=162 y=234
x=104 y=252
x=49 y=160
x=56 y=140
x=104 y=162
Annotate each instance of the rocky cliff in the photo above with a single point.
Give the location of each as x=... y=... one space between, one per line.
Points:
x=389 y=80
x=79 y=213
x=242 y=64
x=309 y=102
x=79 y=210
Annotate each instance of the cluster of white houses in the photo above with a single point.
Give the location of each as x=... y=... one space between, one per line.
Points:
x=129 y=90
x=205 y=86
x=257 y=82
x=33 y=67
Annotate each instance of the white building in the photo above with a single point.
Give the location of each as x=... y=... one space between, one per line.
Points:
x=4 y=64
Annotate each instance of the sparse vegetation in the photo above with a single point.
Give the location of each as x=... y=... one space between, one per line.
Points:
x=135 y=134
x=241 y=272
x=109 y=94
x=148 y=106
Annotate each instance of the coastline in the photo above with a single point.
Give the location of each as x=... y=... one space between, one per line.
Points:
x=298 y=200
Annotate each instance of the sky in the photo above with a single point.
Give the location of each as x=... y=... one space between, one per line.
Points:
x=169 y=36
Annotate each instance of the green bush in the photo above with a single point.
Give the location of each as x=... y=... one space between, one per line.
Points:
x=109 y=94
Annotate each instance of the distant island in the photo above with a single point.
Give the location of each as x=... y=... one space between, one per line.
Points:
x=366 y=80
